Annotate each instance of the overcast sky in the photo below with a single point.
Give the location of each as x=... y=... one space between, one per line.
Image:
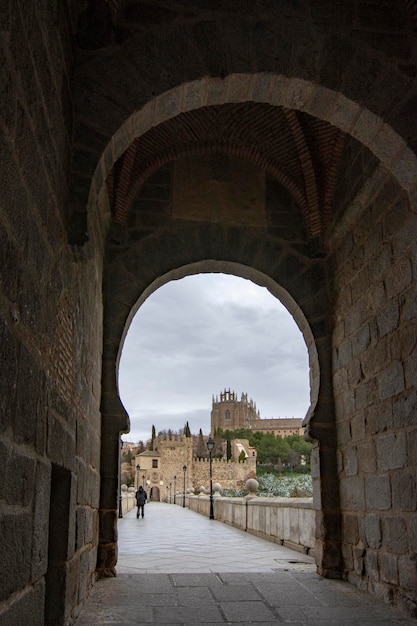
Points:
x=193 y=338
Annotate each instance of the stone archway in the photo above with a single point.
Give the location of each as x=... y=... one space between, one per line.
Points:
x=174 y=248
x=276 y=90
x=299 y=282
x=155 y=494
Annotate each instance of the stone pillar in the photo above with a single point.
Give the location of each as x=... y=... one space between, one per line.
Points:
x=113 y=424
x=326 y=500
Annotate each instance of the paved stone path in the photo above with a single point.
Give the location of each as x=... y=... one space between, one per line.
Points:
x=177 y=567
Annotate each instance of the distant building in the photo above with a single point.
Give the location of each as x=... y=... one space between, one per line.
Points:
x=161 y=471
x=229 y=413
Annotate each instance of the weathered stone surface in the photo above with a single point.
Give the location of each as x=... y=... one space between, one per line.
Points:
x=19 y=483
x=388 y=567
x=407 y=570
x=353 y=494
x=15 y=552
x=372 y=533
x=394 y=534
x=404 y=490
x=351 y=461
x=378 y=492
x=351 y=529
x=343 y=247
x=41 y=502
x=30 y=603
x=366 y=457
x=371 y=564
x=391 y=451
x=391 y=381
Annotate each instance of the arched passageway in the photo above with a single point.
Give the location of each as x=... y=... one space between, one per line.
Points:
x=155 y=494
x=295 y=235
x=139 y=140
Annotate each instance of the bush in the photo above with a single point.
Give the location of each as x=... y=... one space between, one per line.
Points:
x=234 y=493
x=281 y=487
x=286 y=487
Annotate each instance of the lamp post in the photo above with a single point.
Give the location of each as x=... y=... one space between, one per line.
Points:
x=184 y=469
x=175 y=489
x=143 y=480
x=137 y=476
x=170 y=492
x=210 y=447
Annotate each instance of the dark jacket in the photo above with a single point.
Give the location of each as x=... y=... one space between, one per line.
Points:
x=141 y=496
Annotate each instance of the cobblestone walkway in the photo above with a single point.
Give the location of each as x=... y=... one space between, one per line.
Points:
x=179 y=568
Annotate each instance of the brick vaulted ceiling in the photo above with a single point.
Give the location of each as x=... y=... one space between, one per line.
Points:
x=303 y=154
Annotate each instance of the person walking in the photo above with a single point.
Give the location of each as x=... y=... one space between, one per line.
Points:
x=141 y=497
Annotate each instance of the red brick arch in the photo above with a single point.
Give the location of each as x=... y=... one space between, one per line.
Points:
x=277 y=90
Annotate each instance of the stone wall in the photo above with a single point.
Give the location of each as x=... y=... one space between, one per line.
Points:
x=340 y=253
x=128 y=499
x=229 y=474
x=50 y=332
x=173 y=453
x=374 y=366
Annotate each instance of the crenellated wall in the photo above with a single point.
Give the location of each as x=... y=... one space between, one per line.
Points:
x=230 y=474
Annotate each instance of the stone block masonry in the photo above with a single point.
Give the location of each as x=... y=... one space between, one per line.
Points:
x=173 y=452
x=230 y=474
x=311 y=107
x=375 y=431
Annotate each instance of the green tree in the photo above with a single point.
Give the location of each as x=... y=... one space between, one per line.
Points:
x=272 y=448
x=293 y=458
x=218 y=444
x=127 y=457
x=201 y=446
x=303 y=449
x=153 y=437
x=228 y=450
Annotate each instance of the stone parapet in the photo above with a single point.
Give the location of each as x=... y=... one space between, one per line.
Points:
x=287 y=521
x=128 y=501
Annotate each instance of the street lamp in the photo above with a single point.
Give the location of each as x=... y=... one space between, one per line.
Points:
x=184 y=469
x=175 y=490
x=137 y=475
x=170 y=492
x=210 y=447
x=143 y=480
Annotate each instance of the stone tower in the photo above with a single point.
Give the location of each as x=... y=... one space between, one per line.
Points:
x=229 y=413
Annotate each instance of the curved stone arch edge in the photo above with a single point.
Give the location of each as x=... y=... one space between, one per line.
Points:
x=277 y=90
x=257 y=277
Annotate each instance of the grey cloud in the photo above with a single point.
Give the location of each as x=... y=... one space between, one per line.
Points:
x=194 y=337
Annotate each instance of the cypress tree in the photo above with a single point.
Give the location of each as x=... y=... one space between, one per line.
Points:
x=201 y=446
x=153 y=437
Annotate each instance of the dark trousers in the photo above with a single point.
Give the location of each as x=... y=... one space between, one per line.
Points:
x=141 y=507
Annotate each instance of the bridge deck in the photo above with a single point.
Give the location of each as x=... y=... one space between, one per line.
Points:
x=178 y=567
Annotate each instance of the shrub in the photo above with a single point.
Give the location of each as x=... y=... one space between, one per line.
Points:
x=286 y=487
